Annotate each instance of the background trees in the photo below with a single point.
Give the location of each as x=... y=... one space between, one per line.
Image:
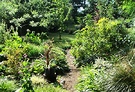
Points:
x=35 y=15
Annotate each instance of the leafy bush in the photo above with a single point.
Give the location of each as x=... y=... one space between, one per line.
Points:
x=33 y=51
x=2 y=31
x=55 y=57
x=94 y=78
x=38 y=66
x=106 y=77
x=100 y=40
x=7 y=85
x=14 y=51
x=1 y=47
x=32 y=38
x=128 y=10
x=26 y=74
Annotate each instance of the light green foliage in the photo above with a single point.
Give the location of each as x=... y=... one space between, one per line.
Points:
x=34 y=51
x=94 y=78
x=26 y=74
x=13 y=50
x=104 y=76
x=40 y=85
x=100 y=40
x=32 y=38
x=50 y=88
x=128 y=8
x=7 y=85
x=38 y=66
x=38 y=80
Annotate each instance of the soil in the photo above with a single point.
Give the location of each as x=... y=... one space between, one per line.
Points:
x=69 y=80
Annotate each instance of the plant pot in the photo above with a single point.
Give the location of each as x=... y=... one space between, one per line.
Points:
x=50 y=74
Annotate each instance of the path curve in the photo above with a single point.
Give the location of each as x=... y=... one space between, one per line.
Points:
x=71 y=78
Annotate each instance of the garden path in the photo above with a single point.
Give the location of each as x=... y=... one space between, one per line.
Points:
x=70 y=79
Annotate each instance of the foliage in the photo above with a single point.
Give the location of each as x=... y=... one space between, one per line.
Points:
x=2 y=31
x=26 y=81
x=39 y=16
x=32 y=38
x=55 y=57
x=49 y=88
x=38 y=66
x=107 y=77
x=94 y=78
x=123 y=79
x=65 y=42
x=13 y=50
x=100 y=40
x=108 y=9
x=1 y=47
x=33 y=51
x=128 y=8
x=7 y=85
x=38 y=80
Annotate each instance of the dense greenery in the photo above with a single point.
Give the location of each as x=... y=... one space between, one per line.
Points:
x=36 y=34
x=101 y=40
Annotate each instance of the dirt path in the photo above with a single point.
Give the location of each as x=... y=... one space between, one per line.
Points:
x=70 y=79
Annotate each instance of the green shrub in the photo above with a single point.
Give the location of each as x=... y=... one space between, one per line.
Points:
x=32 y=38
x=38 y=66
x=55 y=57
x=1 y=47
x=2 y=31
x=14 y=51
x=100 y=40
x=26 y=82
x=4 y=34
x=33 y=51
x=89 y=82
x=7 y=85
x=59 y=60
x=95 y=78
x=38 y=80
